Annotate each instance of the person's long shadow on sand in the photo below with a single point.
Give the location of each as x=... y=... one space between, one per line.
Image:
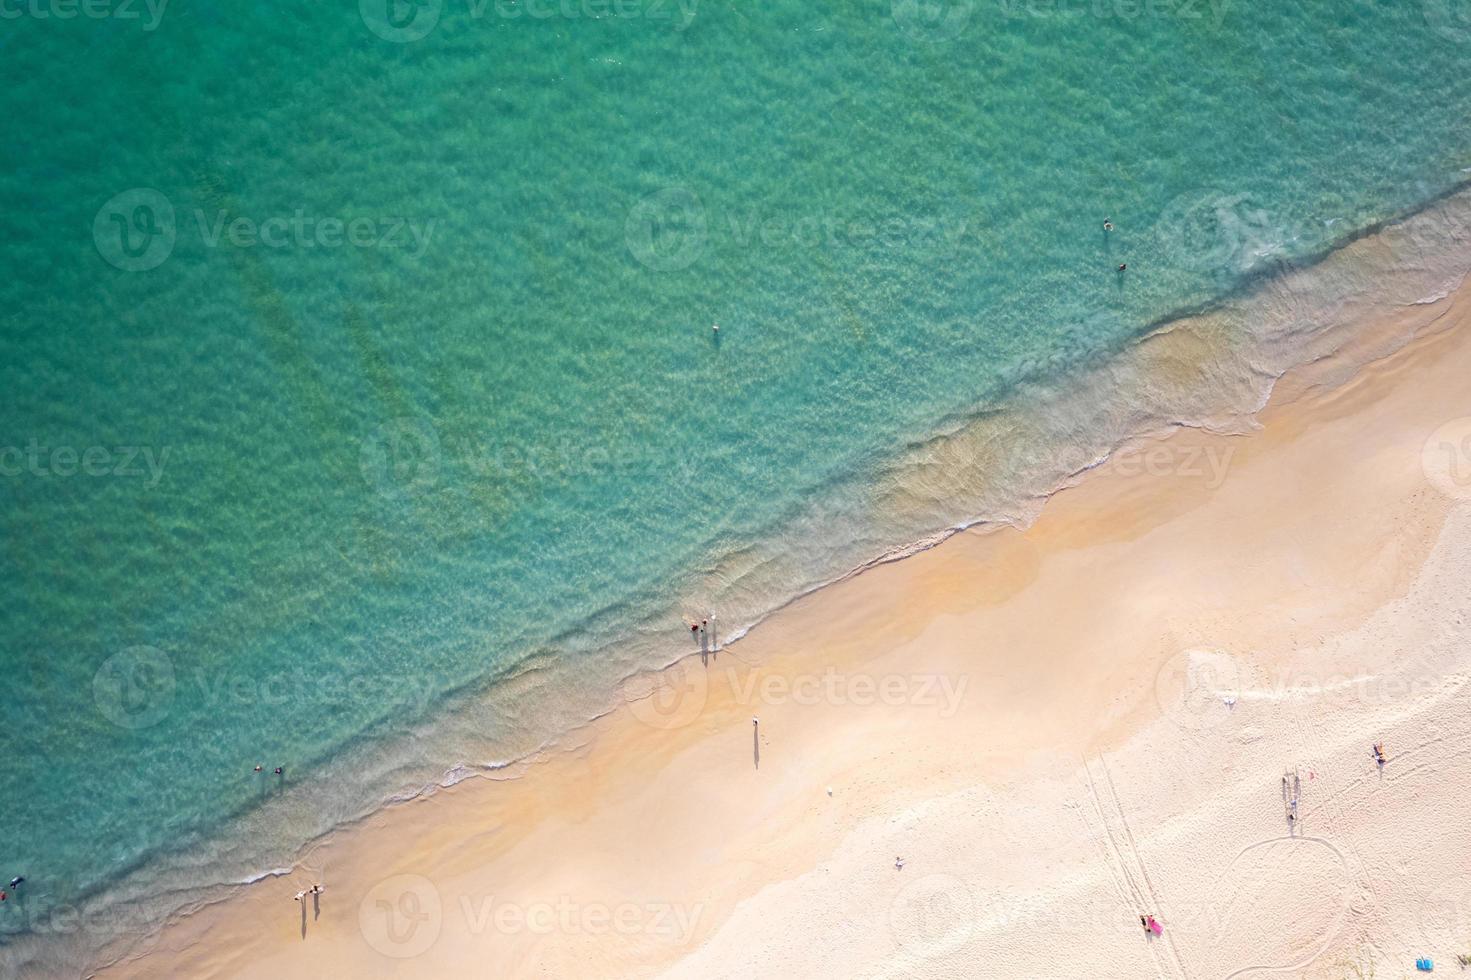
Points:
x=316 y=906
x=756 y=744
x=303 y=919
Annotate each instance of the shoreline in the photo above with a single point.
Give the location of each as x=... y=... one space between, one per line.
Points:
x=623 y=754
x=907 y=494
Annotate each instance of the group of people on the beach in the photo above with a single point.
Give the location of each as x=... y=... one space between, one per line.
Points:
x=702 y=631
x=316 y=889
x=14 y=884
x=1291 y=791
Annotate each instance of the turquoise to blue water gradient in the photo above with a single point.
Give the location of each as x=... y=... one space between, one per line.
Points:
x=419 y=383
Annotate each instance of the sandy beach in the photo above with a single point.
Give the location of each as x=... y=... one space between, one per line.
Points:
x=992 y=757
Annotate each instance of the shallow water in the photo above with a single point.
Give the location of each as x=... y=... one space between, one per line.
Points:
x=409 y=434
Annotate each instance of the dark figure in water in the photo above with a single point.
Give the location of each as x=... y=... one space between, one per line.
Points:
x=1123 y=267
x=278 y=771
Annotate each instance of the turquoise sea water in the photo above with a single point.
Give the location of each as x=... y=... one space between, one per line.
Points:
x=362 y=411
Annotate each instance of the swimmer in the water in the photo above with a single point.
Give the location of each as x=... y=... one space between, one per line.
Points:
x=1107 y=225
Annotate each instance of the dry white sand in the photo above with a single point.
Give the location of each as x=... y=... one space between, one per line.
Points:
x=1036 y=721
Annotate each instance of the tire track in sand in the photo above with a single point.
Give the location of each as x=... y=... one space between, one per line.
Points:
x=1124 y=853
